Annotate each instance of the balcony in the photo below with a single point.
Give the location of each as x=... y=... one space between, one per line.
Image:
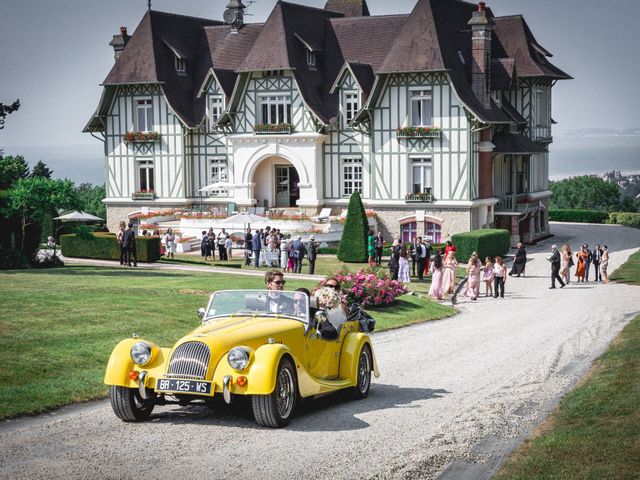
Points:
x=510 y=203
x=419 y=132
x=146 y=195
x=141 y=137
x=273 y=129
x=420 y=197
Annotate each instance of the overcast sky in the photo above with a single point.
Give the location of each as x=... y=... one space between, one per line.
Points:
x=55 y=53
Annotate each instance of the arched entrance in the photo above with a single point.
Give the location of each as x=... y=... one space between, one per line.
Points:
x=276 y=183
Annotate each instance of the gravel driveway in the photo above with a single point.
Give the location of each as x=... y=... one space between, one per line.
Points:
x=455 y=396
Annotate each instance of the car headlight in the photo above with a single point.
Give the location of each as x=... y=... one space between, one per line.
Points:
x=141 y=353
x=238 y=358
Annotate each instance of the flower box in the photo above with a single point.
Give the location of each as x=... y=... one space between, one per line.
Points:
x=419 y=132
x=140 y=137
x=421 y=197
x=273 y=129
x=148 y=195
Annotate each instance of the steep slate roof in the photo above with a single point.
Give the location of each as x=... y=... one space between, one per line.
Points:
x=514 y=143
x=349 y=8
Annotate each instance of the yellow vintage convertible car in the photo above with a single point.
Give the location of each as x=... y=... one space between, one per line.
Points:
x=267 y=345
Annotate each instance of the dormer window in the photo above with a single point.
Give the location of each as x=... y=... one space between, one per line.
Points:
x=311 y=58
x=216 y=107
x=351 y=106
x=181 y=65
x=421 y=108
x=273 y=73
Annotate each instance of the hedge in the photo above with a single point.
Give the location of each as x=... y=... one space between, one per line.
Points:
x=386 y=250
x=577 y=216
x=353 y=244
x=104 y=246
x=628 y=219
x=488 y=243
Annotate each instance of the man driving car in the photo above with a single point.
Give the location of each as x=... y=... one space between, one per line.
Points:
x=276 y=302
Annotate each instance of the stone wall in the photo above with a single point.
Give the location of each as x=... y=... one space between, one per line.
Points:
x=452 y=221
x=120 y=213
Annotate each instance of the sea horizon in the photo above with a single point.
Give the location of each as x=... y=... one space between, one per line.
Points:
x=570 y=155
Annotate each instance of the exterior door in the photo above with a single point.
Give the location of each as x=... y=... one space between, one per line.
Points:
x=283 y=191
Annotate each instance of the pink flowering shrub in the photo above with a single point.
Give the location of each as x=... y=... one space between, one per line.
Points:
x=368 y=287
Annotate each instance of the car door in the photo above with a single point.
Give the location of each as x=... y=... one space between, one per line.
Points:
x=323 y=356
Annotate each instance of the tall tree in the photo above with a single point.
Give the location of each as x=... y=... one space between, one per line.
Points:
x=12 y=169
x=586 y=192
x=40 y=169
x=90 y=199
x=6 y=110
x=353 y=245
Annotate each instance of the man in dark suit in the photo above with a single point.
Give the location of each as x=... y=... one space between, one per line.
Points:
x=312 y=249
x=256 y=246
x=421 y=257
x=394 y=262
x=248 y=238
x=555 y=267
x=129 y=245
x=596 y=256
x=276 y=302
x=588 y=261
x=298 y=250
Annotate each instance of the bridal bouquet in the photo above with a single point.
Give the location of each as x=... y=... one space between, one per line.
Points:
x=327 y=298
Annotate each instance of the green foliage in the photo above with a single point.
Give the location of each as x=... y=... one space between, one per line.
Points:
x=104 y=246
x=488 y=243
x=577 y=216
x=40 y=169
x=90 y=199
x=12 y=259
x=6 y=110
x=627 y=219
x=83 y=232
x=353 y=245
x=12 y=169
x=585 y=193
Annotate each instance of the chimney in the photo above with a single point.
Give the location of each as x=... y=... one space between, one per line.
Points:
x=119 y=42
x=481 y=28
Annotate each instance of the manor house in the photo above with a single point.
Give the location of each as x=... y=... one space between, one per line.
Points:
x=441 y=118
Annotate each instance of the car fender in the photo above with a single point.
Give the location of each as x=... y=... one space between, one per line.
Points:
x=120 y=363
x=351 y=348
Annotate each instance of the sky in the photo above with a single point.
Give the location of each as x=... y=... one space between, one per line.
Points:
x=55 y=53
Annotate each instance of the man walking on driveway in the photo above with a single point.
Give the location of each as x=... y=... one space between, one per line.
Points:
x=555 y=267
x=588 y=261
x=129 y=245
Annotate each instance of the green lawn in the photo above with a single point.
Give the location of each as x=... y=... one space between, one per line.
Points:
x=595 y=432
x=58 y=326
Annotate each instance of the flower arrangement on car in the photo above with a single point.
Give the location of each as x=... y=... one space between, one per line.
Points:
x=369 y=287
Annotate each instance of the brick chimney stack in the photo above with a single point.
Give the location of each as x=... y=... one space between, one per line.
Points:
x=119 y=42
x=481 y=28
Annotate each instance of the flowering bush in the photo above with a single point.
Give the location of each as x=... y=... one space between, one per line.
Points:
x=156 y=213
x=273 y=128
x=141 y=136
x=419 y=131
x=369 y=287
x=280 y=215
x=202 y=215
x=186 y=239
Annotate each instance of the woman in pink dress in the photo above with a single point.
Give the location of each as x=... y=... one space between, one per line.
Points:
x=449 y=275
x=487 y=276
x=473 y=284
x=435 y=290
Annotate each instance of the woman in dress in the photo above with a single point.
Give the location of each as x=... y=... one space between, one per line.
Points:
x=170 y=242
x=519 y=262
x=604 y=264
x=581 y=268
x=449 y=275
x=211 y=240
x=403 y=272
x=435 y=290
x=290 y=256
x=487 y=276
x=284 y=257
x=473 y=284
x=371 y=248
x=120 y=236
x=449 y=247
x=565 y=259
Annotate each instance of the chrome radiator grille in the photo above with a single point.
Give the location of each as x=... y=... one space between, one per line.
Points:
x=189 y=360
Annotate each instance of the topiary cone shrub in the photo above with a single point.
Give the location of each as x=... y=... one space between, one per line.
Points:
x=353 y=244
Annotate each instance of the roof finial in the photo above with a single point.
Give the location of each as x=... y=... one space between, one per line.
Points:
x=148 y=4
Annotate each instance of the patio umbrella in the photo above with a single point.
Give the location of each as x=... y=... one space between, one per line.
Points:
x=216 y=186
x=79 y=217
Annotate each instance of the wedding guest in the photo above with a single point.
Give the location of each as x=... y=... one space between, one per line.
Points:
x=204 y=246
x=571 y=264
x=284 y=257
x=312 y=254
x=554 y=258
x=520 y=261
x=248 y=240
x=604 y=264
x=499 y=277
x=170 y=242
x=120 y=237
x=379 y=243
x=229 y=246
x=473 y=284
x=421 y=257
x=394 y=262
x=596 y=256
x=449 y=275
x=436 y=289
x=211 y=239
x=587 y=265
x=487 y=276
x=565 y=262
x=371 y=248
x=403 y=267
x=222 y=249
x=581 y=268
x=449 y=247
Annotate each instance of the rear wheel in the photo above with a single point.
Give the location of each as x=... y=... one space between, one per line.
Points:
x=364 y=373
x=128 y=405
x=275 y=410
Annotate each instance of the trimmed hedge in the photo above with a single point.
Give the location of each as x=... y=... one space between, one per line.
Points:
x=104 y=246
x=488 y=243
x=577 y=216
x=628 y=219
x=12 y=260
x=353 y=244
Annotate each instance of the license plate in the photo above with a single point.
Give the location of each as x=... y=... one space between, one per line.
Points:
x=183 y=386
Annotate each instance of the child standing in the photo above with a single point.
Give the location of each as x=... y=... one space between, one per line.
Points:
x=499 y=276
x=487 y=277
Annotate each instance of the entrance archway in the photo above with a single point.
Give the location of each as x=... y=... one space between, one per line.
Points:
x=276 y=183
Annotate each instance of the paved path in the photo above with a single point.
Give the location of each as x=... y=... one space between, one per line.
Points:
x=455 y=396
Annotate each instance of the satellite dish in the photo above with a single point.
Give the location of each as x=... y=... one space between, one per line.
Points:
x=230 y=16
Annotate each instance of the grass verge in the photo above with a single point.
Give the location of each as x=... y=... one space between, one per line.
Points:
x=629 y=272
x=58 y=326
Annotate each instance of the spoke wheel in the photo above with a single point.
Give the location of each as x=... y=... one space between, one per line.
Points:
x=364 y=372
x=275 y=410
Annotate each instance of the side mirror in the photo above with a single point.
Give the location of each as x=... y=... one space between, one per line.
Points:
x=201 y=313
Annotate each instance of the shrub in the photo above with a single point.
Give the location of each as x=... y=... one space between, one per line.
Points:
x=11 y=259
x=353 y=244
x=487 y=242
x=628 y=219
x=104 y=246
x=368 y=287
x=577 y=216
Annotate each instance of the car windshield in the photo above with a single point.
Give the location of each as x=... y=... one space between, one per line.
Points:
x=263 y=302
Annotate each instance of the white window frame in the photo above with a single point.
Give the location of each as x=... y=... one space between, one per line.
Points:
x=351 y=102
x=424 y=164
x=220 y=166
x=351 y=175
x=276 y=100
x=311 y=58
x=216 y=109
x=145 y=125
x=180 y=64
x=541 y=111
x=418 y=98
x=145 y=164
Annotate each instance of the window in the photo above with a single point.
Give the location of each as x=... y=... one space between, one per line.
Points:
x=351 y=106
x=273 y=73
x=144 y=115
x=421 y=108
x=217 y=173
x=409 y=231
x=542 y=113
x=181 y=65
x=421 y=175
x=275 y=109
x=351 y=176
x=434 y=232
x=216 y=108
x=145 y=175
x=311 y=58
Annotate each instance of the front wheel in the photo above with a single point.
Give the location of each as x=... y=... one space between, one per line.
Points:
x=128 y=405
x=276 y=409
x=364 y=373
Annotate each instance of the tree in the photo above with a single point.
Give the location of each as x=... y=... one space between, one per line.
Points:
x=353 y=245
x=90 y=199
x=585 y=193
x=31 y=199
x=12 y=169
x=40 y=169
x=6 y=110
